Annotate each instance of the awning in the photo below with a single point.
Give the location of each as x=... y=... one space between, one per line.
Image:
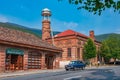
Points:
x=14 y=51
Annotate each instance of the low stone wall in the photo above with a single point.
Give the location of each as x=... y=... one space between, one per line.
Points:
x=63 y=63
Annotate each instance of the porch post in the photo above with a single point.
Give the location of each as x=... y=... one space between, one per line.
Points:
x=2 y=59
x=43 y=66
x=25 y=61
x=56 y=61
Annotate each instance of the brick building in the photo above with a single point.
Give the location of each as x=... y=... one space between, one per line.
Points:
x=70 y=41
x=72 y=44
x=22 y=51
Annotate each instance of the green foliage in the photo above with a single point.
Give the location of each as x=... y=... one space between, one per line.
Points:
x=96 y=6
x=89 y=50
x=105 y=51
x=111 y=48
x=18 y=27
x=114 y=45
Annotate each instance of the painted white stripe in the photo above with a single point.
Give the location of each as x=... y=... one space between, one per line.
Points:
x=72 y=77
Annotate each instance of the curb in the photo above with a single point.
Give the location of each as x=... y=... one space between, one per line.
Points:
x=3 y=75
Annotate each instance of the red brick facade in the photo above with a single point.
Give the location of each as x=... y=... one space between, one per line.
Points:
x=68 y=45
x=28 y=43
x=71 y=42
x=75 y=41
x=46 y=32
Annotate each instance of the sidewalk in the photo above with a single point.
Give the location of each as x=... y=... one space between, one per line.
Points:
x=22 y=72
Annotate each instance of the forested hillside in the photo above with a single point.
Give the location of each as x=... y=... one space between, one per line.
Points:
x=105 y=36
x=38 y=32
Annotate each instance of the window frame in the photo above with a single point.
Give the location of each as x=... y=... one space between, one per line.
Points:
x=68 y=52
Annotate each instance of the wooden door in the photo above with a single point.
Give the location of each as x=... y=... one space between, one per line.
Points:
x=16 y=62
x=49 y=62
x=20 y=62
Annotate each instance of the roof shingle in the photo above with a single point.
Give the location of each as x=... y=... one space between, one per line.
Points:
x=16 y=36
x=70 y=32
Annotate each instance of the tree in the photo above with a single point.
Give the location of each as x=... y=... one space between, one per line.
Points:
x=113 y=44
x=89 y=50
x=111 y=48
x=105 y=51
x=96 y=6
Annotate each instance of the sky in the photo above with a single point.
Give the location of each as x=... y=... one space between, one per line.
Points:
x=64 y=16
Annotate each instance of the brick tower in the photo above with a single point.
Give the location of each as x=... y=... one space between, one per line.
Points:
x=46 y=31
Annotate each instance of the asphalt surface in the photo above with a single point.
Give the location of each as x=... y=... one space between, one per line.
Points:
x=100 y=73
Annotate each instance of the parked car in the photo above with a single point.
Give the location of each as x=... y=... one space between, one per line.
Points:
x=76 y=64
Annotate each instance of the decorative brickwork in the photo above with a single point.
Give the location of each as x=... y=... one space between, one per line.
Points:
x=73 y=40
x=46 y=32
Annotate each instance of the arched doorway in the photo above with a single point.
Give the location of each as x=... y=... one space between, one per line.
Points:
x=49 y=61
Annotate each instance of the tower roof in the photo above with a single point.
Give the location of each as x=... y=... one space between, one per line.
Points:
x=46 y=12
x=45 y=9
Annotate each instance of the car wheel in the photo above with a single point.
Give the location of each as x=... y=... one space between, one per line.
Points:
x=83 y=68
x=66 y=69
x=74 y=69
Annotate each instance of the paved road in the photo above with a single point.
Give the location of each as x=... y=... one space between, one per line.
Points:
x=101 y=73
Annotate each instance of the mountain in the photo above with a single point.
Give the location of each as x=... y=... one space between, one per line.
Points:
x=105 y=36
x=36 y=32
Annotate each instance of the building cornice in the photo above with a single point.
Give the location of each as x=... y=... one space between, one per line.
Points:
x=29 y=46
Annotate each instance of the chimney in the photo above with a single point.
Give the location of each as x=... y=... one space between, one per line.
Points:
x=92 y=35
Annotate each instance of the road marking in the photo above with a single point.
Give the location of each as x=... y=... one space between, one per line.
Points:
x=72 y=77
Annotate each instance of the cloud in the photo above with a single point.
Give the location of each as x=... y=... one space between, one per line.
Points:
x=3 y=18
x=84 y=32
x=59 y=25
x=117 y=31
x=70 y=24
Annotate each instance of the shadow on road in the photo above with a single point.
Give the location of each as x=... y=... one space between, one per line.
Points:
x=101 y=74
